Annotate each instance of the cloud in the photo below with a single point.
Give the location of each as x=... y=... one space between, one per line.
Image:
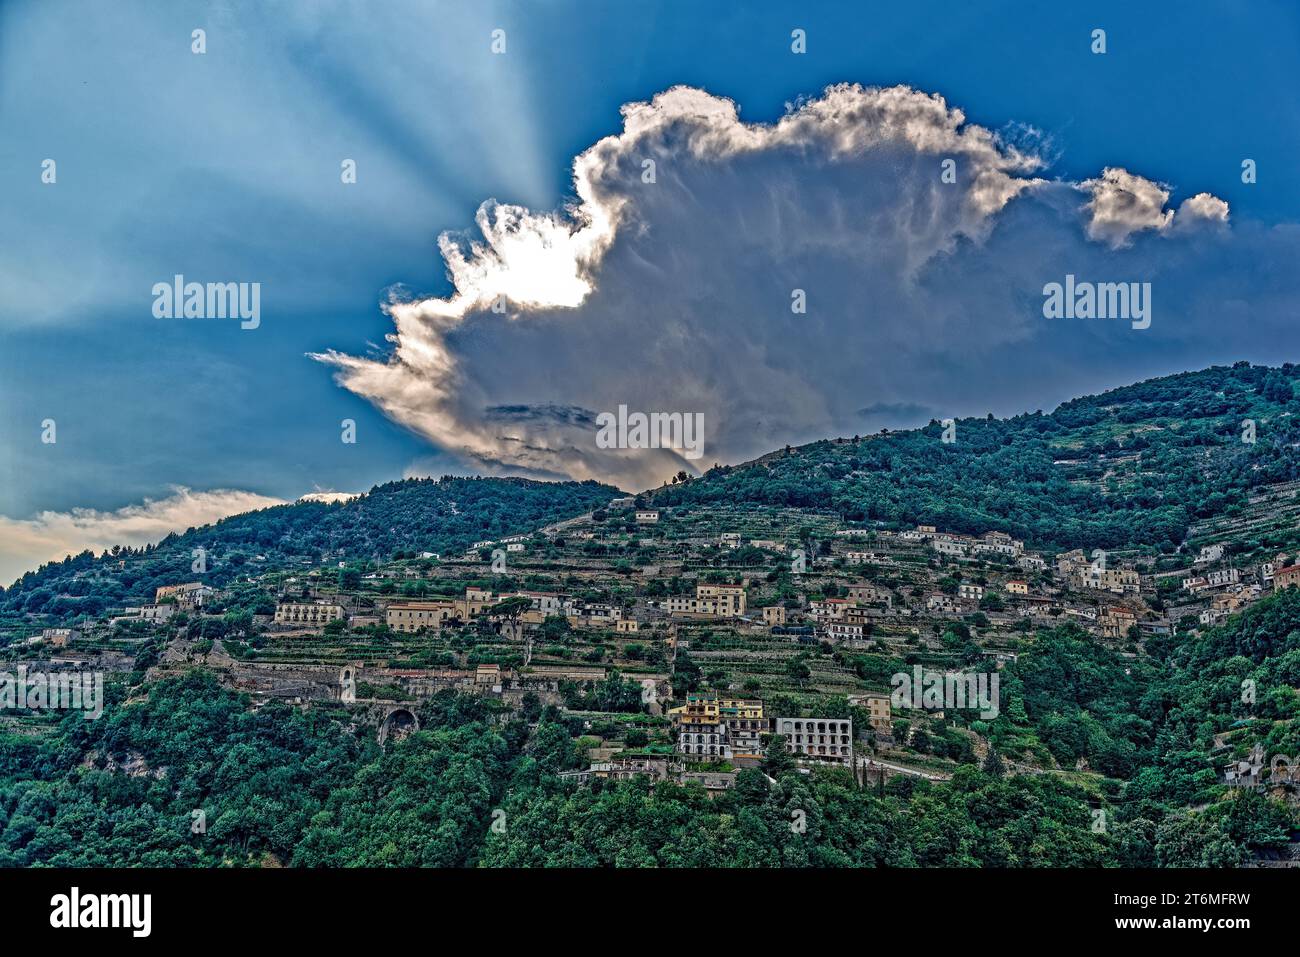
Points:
x=1123 y=204
x=330 y=496
x=25 y=544
x=917 y=242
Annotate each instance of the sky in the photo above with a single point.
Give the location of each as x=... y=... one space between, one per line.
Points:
x=509 y=168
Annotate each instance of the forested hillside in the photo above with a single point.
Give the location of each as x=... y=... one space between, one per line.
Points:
x=285 y=786
x=436 y=515
x=1134 y=465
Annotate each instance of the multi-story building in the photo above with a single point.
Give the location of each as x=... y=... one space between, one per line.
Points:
x=175 y=591
x=878 y=705
x=157 y=613
x=411 y=616
x=720 y=601
x=647 y=516
x=307 y=612
x=844 y=631
x=1209 y=553
x=999 y=543
x=1115 y=621
x=870 y=595
x=743 y=718
x=825 y=610
x=819 y=739
x=1119 y=581
x=1284 y=577
x=60 y=637
x=939 y=603
x=970 y=592
x=1219 y=578
x=712 y=728
x=774 y=615
x=949 y=546
x=1015 y=587
x=548 y=603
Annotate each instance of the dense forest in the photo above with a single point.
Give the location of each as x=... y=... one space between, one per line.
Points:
x=436 y=515
x=283 y=786
x=1134 y=465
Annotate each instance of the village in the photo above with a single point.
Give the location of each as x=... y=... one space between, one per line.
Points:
x=681 y=644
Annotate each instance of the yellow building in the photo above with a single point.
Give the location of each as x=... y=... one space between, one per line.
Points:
x=409 y=616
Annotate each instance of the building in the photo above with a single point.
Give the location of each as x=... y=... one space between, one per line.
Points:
x=712 y=728
x=157 y=613
x=627 y=626
x=625 y=767
x=1119 y=581
x=941 y=604
x=175 y=591
x=592 y=614
x=745 y=724
x=60 y=637
x=548 y=603
x=719 y=601
x=774 y=615
x=999 y=543
x=845 y=631
x=515 y=547
x=878 y=706
x=825 y=610
x=871 y=595
x=1115 y=621
x=949 y=546
x=970 y=592
x=1032 y=563
x=307 y=612
x=861 y=558
x=647 y=516
x=410 y=616
x=729 y=539
x=819 y=739
x=1283 y=577
x=1209 y=553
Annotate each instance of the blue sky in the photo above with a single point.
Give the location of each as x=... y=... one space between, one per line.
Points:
x=225 y=166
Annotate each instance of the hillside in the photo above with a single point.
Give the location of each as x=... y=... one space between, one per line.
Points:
x=414 y=515
x=1136 y=465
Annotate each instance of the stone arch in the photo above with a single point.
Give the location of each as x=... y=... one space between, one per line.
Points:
x=397 y=724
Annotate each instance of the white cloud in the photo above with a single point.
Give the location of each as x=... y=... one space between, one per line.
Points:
x=25 y=544
x=1124 y=203
x=1204 y=206
x=674 y=295
x=330 y=496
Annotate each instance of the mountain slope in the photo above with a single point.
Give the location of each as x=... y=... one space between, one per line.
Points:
x=438 y=515
x=1134 y=465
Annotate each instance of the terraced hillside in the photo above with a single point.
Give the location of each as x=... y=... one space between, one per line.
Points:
x=1134 y=466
